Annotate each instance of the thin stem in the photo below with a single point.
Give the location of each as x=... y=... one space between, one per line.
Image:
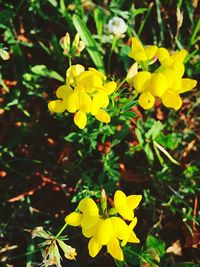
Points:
x=122 y=82
x=70 y=61
x=61 y=230
x=111 y=52
x=2 y=83
x=165 y=152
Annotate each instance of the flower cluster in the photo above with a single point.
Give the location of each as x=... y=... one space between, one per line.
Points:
x=107 y=229
x=85 y=92
x=165 y=82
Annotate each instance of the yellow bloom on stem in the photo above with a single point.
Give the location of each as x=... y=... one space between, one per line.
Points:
x=87 y=218
x=105 y=230
x=166 y=82
x=59 y=105
x=125 y=205
x=72 y=73
x=84 y=92
x=140 y=53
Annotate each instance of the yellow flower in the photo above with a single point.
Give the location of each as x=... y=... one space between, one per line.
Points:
x=166 y=82
x=141 y=53
x=72 y=73
x=109 y=232
x=125 y=205
x=104 y=230
x=84 y=92
x=88 y=217
x=59 y=105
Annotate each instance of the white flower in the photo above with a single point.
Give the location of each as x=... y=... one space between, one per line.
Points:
x=116 y=26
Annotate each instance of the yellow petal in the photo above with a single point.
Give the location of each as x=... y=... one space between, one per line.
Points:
x=130 y=236
x=134 y=200
x=179 y=56
x=187 y=85
x=171 y=76
x=102 y=116
x=110 y=87
x=126 y=212
x=133 y=238
x=132 y=72
x=94 y=247
x=63 y=91
x=80 y=119
x=146 y=100
x=115 y=250
x=100 y=100
x=119 y=198
x=85 y=102
x=137 y=50
x=150 y=51
x=71 y=102
x=72 y=73
x=162 y=54
x=104 y=231
x=56 y=106
x=179 y=68
x=141 y=81
x=89 y=232
x=88 y=221
x=88 y=206
x=98 y=73
x=120 y=228
x=171 y=99
x=73 y=219
x=90 y=81
x=158 y=84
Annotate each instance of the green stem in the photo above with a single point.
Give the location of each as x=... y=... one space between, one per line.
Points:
x=111 y=52
x=122 y=82
x=4 y=85
x=61 y=230
x=70 y=61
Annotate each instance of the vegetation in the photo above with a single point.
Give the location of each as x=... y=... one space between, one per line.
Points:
x=52 y=159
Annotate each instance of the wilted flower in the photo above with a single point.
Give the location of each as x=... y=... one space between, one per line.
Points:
x=51 y=254
x=116 y=26
x=4 y=54
x=105 y=229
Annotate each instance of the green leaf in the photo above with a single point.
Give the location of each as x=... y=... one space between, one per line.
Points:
x=99 y=18
x=139 y=136
x=42 y=70
x=149 y=152
x=129 y=104
x=155 y=130
x=186 y=264
x=170 y=141
x=157 y=244
x=90 y=43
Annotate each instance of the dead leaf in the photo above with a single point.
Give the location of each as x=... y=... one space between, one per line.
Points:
x=176 y=248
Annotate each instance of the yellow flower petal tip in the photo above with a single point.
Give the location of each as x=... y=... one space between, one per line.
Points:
x=146 y=100
x=56 y=106
x=73 y=219
x=125 y=205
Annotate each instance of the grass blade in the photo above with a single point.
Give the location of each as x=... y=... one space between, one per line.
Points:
x=90 y=43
